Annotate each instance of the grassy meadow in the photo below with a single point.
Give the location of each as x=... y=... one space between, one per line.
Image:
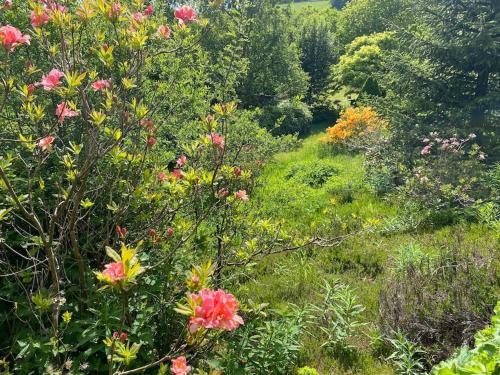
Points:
x=294 y=188
x=318 y=5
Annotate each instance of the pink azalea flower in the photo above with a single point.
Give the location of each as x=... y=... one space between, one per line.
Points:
x=214 y=309
x=170 y=232
x=123 y=336
x=39 y=18
x=241 y=195
x=181 y=161
x=162 y=176
x=177 y=174
x=185 y=14
x=10 y=37
x=45 y=143
x=52 y=80
x=237 y=171
x=55 y=7
x=101 y=84
x=180 y=367
x=217 y=140
x=63 y=111
x=114 y=271
x=426 y=150
x=149 y=10
x=164 y=31
x=222 y=193
x=115 y=10
x=138 y=17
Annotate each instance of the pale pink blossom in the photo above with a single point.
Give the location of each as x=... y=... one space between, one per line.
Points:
x=222 y=193
x=39 y=18
x=115 y=10
x=164 y=31
x=52 y=80
x=426 y=150
x=180 y=367
x=241 y=195
x=10 y=37
x=45 y=143
x=101 y=84
x=138 y=17
x=114 y=272
x=185 y=14
x=52 y=7
x=214 y=309
x=181 y=161
x=63 y=111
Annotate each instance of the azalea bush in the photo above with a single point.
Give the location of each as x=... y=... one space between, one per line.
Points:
x=448 y=174
x=102 y=215
x=354 y=124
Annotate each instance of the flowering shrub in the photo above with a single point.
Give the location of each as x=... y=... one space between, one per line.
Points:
x=447 y=174
x=87 y=167
x=354 y=123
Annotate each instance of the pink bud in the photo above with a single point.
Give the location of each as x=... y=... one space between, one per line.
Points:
x=151 y=141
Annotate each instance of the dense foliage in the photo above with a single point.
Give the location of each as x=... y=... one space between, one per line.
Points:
x=249 y=187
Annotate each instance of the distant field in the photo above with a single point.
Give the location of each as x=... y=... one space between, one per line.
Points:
x=323 y=4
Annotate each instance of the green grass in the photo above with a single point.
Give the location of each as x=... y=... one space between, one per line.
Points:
x=319 y=5
x=341 y=203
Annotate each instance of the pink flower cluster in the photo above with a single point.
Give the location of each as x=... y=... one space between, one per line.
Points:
x=214 y=309
x=185 y=14
x=63 y=110
x=52 y=80
x=452 y=144
x=115 y=271
x=217 y=140
x=41 y=15
x=180 y=366
x=45 y=143
x=10 y=37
